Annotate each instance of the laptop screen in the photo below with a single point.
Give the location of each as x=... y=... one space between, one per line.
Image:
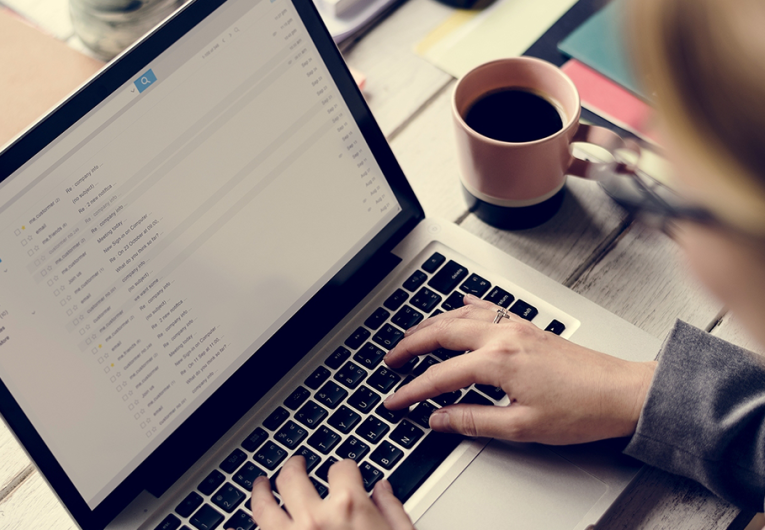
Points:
x=169 y=233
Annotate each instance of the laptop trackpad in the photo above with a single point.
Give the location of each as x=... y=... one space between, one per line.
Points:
x=515 y=486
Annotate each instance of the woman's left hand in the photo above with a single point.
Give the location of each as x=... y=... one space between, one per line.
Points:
x=348 y=506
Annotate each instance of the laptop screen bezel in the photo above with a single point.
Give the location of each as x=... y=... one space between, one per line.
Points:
x=309 y=324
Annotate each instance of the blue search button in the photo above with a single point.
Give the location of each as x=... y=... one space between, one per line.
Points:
x=146 y=80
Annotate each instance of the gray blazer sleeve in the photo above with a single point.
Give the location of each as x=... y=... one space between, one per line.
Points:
x=704 y=417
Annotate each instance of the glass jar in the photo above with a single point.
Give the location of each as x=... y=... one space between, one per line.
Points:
x=109 y=26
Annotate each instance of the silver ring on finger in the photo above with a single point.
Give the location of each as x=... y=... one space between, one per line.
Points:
x=501 y=313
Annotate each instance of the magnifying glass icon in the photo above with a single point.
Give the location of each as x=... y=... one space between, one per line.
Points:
x=145 y=80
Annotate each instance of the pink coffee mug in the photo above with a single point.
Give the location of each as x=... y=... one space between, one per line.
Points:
x=520 y=185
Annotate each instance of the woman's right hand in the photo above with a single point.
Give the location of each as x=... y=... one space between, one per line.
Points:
x=560 y=393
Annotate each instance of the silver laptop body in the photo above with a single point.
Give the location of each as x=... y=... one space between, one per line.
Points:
x=209 y=246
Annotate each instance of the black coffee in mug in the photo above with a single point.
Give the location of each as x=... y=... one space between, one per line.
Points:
x=514 y=115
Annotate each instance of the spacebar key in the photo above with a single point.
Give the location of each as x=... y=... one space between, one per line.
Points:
x=419 y=465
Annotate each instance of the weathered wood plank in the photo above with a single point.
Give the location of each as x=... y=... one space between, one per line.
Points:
x=560 y=247
x=13 y=459
x=426 y=151
x=642 y=279
x=731 y=330
x=398 y=80
x=33 y=505
x=660 y=501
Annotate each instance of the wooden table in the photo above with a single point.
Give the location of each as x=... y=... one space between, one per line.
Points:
x=589 y=246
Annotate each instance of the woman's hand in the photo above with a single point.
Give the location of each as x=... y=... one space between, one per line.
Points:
x=348 y=506
x=560 y=393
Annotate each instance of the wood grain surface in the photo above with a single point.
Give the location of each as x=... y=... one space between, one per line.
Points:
x=589 y=246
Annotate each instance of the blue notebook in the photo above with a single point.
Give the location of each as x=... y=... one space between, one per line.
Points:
x=599 y=43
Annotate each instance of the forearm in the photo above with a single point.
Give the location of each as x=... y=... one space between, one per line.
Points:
x=704 y=416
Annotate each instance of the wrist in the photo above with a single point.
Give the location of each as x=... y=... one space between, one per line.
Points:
x=643 y=375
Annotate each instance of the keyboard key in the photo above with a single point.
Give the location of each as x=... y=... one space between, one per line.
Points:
x=323 y=470
x=409 y=366
x=493 y=392
x=444 y=354
x=369 y=475
x=407 y=317
x=425 y=300
x=500 y=297
x=171 y=522
x=228 y=498
x=290 y=435
x=426 y=363
x=373 y=429
x=270 y=455
x=317 y=378
x=247 y=474
x=474 y=398
x=212 y=482
x=387 y=455
x=524 y=310
x=351 y=375
x=331 y=394
x=556 y=327
x=448 y=398
x=297 y=398
x=321 y=489
x=276 y=418
x=311 y=458
x=311 y=414
x=369 y=356
x=455 y=301
x=254 y=440
x=272 y=480
x=324 y=439
x=337 y=358
x=415 y=281
x=383 y=379
x=187 y=506
x=364 y=399
x=475 y=285
x=240 y=521
x=422 y=412
x=392 y=416
x=406 y=434
x=353 y=448
x=377 y=318
x=344 y=420
x=395 y=300
x=448 y=278
x=421 y=462
x=388 y=336
x=434 y=262
x=233 y=461
x=406 y=381
x=206 y=518
x=357 y=338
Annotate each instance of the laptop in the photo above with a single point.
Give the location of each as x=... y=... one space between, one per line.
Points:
x=206 y=252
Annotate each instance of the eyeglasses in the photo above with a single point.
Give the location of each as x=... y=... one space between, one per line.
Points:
x=650 y=201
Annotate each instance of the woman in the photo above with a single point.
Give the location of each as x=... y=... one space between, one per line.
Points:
x=699 y=411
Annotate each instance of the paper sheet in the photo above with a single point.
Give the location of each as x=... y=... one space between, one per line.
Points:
x=507 y=28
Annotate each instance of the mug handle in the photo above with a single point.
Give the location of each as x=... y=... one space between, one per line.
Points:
x=608 y=140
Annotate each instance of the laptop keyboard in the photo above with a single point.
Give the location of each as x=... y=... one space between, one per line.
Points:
x=337 y=412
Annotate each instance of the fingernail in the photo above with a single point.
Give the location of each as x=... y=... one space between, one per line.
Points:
x=385 y=485
x=411 y=330
x=260 y=479
x=439 y=421
x=471 y=297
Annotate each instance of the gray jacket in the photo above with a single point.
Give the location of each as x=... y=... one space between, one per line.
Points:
x=705 y=416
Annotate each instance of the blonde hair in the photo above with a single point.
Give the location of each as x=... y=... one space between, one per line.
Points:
x=704 y=61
